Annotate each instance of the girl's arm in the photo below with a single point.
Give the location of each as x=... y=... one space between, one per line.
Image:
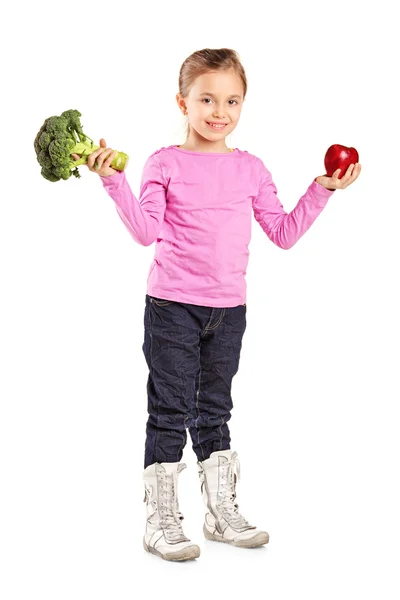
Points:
x=282 y=228
x=143 y=218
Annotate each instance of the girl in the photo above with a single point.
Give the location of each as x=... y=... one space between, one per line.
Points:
x=196 y=202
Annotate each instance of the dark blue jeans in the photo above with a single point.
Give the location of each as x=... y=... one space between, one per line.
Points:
x=192 y=353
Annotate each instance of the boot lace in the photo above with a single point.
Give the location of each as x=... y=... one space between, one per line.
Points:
x=170 y=516
x=229 y=474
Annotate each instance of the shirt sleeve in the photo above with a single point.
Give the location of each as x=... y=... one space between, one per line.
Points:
x=282 y=228
x=143 y=218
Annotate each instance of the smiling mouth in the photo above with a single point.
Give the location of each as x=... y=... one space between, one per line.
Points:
x=217 y=125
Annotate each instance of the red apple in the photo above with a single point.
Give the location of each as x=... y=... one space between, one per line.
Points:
x=339 y=157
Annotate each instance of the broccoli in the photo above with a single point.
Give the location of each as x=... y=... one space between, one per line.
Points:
x=61 y=136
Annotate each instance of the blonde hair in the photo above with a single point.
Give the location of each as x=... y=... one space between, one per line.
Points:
x=206 y=60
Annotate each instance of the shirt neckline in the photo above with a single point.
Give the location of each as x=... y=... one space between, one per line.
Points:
x=205 y=153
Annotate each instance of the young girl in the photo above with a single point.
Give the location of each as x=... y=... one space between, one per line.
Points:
x=196 y=202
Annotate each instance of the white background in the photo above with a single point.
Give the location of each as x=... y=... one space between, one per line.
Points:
x=315 y=422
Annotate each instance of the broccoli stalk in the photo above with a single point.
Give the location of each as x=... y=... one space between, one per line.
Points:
x=58 y=138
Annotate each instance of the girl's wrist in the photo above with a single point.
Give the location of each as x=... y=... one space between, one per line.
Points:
x=319 y=183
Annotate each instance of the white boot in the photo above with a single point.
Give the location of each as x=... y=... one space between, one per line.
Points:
x=164 y=535
x=223 y=523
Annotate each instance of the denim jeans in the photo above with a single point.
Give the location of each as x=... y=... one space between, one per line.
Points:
x=192 y=353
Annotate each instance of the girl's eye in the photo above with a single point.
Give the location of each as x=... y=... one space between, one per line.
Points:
x=204 y=99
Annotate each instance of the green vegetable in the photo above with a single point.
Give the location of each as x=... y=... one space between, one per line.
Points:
x=58 y=138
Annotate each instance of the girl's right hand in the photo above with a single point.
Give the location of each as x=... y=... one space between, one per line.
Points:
x=99 y=161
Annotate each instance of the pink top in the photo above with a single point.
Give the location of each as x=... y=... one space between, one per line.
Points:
x=197 y=207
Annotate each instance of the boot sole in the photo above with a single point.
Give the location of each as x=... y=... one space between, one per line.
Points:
x=188 y=553
x=258 y=540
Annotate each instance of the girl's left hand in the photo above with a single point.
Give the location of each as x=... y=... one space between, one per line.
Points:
x=334 y=183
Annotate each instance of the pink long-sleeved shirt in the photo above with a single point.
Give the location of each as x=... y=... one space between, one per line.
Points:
x=197 y=207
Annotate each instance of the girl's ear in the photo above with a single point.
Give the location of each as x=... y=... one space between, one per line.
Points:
x=181 y=104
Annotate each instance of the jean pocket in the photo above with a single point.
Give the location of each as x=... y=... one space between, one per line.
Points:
x=160 y=301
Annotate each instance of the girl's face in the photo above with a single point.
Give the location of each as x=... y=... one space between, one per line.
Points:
x=215 y=97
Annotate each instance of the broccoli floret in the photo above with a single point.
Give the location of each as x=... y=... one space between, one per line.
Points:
x=74 y=125
x=44 y=160
x=62 y=172
x=58 y=138
x=59 y=150
x=49 y=175
x=37 y=138
x=44 y=140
